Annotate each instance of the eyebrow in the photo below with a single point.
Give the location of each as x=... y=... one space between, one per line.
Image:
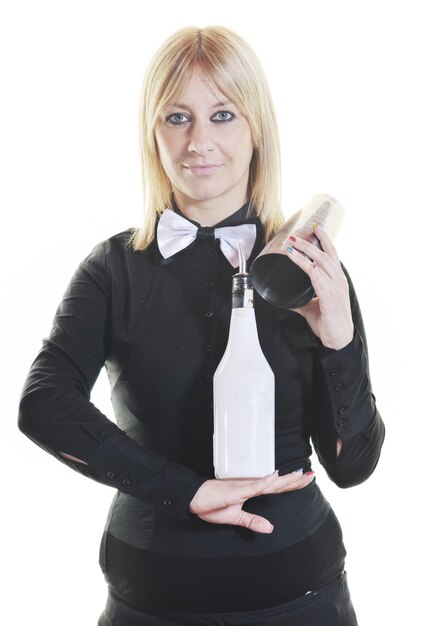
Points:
x=180 y=105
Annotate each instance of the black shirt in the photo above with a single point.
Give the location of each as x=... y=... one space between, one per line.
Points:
x=160 y=328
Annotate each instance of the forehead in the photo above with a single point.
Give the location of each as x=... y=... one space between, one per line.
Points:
x=199 y=86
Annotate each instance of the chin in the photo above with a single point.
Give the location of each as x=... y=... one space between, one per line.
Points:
x=205 y=194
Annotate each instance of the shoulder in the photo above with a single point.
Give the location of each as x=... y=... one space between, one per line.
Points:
x=121 y=268
x=116 y=250
x=112 y=246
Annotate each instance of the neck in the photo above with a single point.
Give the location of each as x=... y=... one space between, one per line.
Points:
x=207 y=212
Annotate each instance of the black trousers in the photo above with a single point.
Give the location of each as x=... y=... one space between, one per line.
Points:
x=329 y=605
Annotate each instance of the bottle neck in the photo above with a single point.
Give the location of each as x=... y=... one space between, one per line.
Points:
x=242 y=291
x=243 y=334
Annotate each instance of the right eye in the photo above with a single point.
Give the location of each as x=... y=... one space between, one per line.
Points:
x=176 y=118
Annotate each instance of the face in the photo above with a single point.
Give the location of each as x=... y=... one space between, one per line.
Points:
x=205 y=146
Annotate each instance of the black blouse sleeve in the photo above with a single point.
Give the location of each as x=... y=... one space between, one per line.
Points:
x=343 y=406
x=57 y=414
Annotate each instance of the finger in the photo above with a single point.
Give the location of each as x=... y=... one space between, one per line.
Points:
x=339 y=446
x=304 y=481
x=322 y=259
x=256 y=523
x=299 y=259
x=271 y=484
x=318 y=277
x=290 y=482
x=243 y=491
x=278 y=484
x=325 y=241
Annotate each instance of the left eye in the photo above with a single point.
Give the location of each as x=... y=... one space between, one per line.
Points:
x=224 y=116
x=176 y=118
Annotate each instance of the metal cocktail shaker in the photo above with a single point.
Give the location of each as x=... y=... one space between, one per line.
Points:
x=278 y=279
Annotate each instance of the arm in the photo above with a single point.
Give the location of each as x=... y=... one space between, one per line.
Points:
x=55 y=409
x=346 y=428
x=344 y=409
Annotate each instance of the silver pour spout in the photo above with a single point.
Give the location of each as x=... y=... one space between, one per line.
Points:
x=242 y=285
x=242 y=260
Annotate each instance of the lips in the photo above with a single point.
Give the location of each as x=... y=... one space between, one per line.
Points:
x=203 y=169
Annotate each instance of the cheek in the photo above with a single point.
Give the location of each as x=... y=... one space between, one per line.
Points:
x=166 y=157
x=246 y=149
x=246 y=141
x=161 y=143
x=165 y=146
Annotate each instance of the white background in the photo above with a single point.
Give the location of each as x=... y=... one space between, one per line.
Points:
x=355 y=87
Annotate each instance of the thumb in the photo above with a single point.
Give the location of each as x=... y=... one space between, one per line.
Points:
x=256 y=523
x=302 y=310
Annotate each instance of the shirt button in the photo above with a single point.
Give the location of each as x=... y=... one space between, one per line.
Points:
x=334 y=372
x=110 y=475
x=209 y=314
x=341 y=410
x=338 y=387
x=126 y=482
x=167 y=502
x=209 y=348
x=209 y=378
x=210 y=284
x=341 y=421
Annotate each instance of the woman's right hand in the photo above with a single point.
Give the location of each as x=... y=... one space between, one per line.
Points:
x=220 y=501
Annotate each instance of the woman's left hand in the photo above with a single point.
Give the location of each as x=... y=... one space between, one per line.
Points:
x=329 y=313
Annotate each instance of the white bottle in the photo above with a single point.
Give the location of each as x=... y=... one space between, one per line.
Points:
x=243 y=389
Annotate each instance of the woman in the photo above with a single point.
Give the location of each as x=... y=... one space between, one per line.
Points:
x=153 y=305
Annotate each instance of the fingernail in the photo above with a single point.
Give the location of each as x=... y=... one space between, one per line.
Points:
x=291 y=250
x=292 y=237
x=271 y=530
x=309 y=473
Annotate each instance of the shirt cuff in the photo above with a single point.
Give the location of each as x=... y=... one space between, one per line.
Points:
x=174 y=492
x=349 y=388
x=146 y=475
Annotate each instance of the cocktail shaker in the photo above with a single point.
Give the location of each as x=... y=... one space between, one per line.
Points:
x=275 y=276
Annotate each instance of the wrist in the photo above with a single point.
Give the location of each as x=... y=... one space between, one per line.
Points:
x=339 y=343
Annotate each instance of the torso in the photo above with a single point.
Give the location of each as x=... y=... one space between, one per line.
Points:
x=165 y=404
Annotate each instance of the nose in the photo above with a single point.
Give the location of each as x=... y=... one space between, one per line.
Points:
x=200 y=140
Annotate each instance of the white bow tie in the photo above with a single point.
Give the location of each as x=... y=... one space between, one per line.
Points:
x=174 y=233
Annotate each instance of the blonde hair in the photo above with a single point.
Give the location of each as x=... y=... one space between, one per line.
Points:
x=229 y=62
